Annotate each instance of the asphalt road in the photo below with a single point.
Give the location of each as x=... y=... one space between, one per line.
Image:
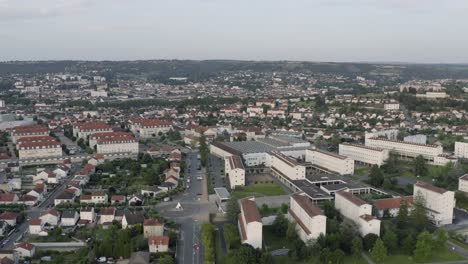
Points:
x=189 y=245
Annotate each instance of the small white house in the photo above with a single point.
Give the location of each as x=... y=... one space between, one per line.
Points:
x=69 y=218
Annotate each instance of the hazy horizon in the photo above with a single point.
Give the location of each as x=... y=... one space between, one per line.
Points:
x=360 y=31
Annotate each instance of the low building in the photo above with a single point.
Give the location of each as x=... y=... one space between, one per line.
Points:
x=35 y=226
x=309 y=219
x=31 y=150
x=117 y=145
x=83 y=130
x=391 y=206
x=107 y=215
x=406 y=149
x=363 y=154
x=438 y=202
x=358 y=211
x=88 y=214
x=152 y=227
x=130 y=219
x=94 y=138
x=463 y=183
x=28 y=131
x=330 y=161
x=158 y=244
x=148 y=128
x=461 y=150
x=235 y=171
x=284 y=165
x=69 y=218
x=250 y=223
x=50 y=217
x=25 y=250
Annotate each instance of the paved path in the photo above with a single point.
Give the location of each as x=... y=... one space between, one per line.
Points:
x=367 y=258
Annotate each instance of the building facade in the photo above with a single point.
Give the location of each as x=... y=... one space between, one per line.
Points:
x=250 y=223
x=438 y=202
x=309 y=219
x=39 y=150
x=330 y=161
x=361 y=153
x=235 y=171
x=406 y=149
x=461 y=150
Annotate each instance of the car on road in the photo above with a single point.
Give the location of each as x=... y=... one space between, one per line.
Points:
x=199 y=178
x=199 y=194
x=188 y=180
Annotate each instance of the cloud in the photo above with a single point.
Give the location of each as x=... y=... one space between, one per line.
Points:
x=14 y=10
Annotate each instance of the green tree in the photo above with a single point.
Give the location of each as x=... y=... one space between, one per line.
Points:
x=166 y=260
x=231 y=235
x=390 y=240
x=232 y=210
x=266 y=258
x=291 y=233
x=204 y=152
x=402 y=216
x=280 y=225
x=369 y=241
x=420 y=166
x=376 y=176
x=356 y=246
x=247 y=254
x=424 y=246
x=419 y=216
x=407 y=244
x=440 y=238
x=379 y=252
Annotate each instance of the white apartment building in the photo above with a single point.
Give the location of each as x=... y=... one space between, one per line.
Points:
x=391 y=106
x=93 y=138
x=83 y=130
x=148 y=128
x=286 y=166
x=357 y=211
x=419 y=139
x=361 y=153
x=235 y=171
x=39 y=150
x=461 y=150
x=222 y=150
x=28 y=131
x=310 y=220
x=330 y=161
x=99 y=93
x=250 y=223
x=433 y=95
x=463 y=183
x=439 y=202
x=117 y=145
x=406 y=149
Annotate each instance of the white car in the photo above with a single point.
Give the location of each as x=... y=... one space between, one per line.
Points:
x=199 y=178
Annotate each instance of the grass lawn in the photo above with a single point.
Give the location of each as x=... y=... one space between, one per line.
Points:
x=315 y=260
x=273 y=241
x=360 y=172
x=258 y=190
x=442 y=255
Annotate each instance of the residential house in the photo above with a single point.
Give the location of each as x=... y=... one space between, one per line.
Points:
x=158 y=244
x=130 y=219
x=152 y=227
x=50 y=217
x=35 y=226
x=391 y=206
x=69 y=218
x=25 y=250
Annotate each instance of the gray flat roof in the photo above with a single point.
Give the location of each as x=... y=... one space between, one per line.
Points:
x=222 y=193
x=311 y=190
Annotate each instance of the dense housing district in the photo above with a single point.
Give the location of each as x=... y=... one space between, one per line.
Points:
x=100 y=163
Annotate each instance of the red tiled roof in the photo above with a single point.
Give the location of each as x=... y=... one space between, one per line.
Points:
x=8 y=216
x=35 y=221
x=116 y=139
x=117 y=198
x=151 y=122
x=39 y=144
x=107 y=211
x=25 y=245
x=109 y=135
x=299 y=221
x=305 y=204
x=92 y=125
x=28 y=198
x=152 y=222
x=430 y=187
x=392 y=203
x=158 y=240
x=352 y=198
x=51 y=212
x=85 y=197
x=7 y=197
x=243 y=233
x=250 y=210
x=35 y=139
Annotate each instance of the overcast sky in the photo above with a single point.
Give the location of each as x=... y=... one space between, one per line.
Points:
x=315 y=30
